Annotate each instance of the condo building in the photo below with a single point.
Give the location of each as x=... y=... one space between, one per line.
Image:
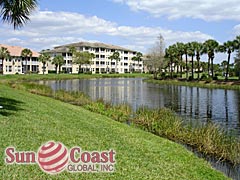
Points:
x=101 y=63
x=16 y=64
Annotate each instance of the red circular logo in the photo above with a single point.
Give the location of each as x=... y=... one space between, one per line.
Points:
x=52 y=157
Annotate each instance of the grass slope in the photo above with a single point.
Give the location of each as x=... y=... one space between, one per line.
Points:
x=232 y=85
x=32 y=77
x=29 y=120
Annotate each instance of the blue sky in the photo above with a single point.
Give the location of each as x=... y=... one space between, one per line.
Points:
x=134 y=24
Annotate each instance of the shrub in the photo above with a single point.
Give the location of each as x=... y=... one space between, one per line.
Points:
x=190 y=78
x=51 y=72
x=215 y=78
x=204 y=77
x=163 y=75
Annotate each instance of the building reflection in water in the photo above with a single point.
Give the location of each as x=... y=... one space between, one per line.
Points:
x=216 y=105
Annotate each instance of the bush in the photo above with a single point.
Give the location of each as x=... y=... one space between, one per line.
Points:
x=190 y=78
x=163 y=75
x=89 y=72
x=167 y=77
x=215 y=78
x=204 y=77
x=175 y=76
x=51 y=72
x=208 y=80
x=218 y=74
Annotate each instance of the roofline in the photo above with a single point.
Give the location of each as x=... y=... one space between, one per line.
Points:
x=93 y=45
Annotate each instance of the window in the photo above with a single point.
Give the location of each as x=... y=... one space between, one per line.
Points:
x=64 y=54
x=102 y=56
x=86 y=48
x=97 y=62
x=10 y=68
x=97 y=50
x=112 y=63
x=102 y=49
x=125 y=52
x=97 y=56
x=19 y=69
x=125 y=64
x=112 y=50
x=102 y=63
x=125 y=58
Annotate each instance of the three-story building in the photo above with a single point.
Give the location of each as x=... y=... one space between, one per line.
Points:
x=101 y=63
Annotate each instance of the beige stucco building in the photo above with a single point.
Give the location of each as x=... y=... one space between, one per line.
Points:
x=101 y=62
x=16 y=64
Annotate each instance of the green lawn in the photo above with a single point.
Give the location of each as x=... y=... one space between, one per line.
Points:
x=29 y=120
x=32 y=77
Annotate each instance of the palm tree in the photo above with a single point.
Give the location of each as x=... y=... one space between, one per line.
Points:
x=228 y=47
x=237 y=57
x=171 y=55
x=198 y=51
x=115 y=56
x=44 y=58
x=17 y=12
x=237 y=62
x=224 y=66
x=210 y=47
x=185 y=50
x=191 y=52
x=55 y=62
x=180 y=49
x=58 y=61
x=25 y=54
x=4 y=53
x=138 y=58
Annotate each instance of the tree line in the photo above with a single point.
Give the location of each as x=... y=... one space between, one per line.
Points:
x=177 y=56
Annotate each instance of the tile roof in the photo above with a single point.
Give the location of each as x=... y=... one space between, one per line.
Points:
x=16 y=50
x=63 y=48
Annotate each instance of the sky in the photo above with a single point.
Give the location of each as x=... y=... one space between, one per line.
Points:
x=133 y=24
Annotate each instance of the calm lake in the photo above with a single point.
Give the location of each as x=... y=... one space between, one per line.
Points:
x=192 y=103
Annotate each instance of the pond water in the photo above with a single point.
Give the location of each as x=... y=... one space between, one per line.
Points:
x=192 y=103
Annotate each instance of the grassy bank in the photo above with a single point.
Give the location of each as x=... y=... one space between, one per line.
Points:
x=34 y=77
x=232 y=85
x=206 y=138
x=29 y=120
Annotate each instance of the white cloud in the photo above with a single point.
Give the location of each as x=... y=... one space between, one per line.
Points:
x=208 y=10
x=48 y=29
x=236 y=29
